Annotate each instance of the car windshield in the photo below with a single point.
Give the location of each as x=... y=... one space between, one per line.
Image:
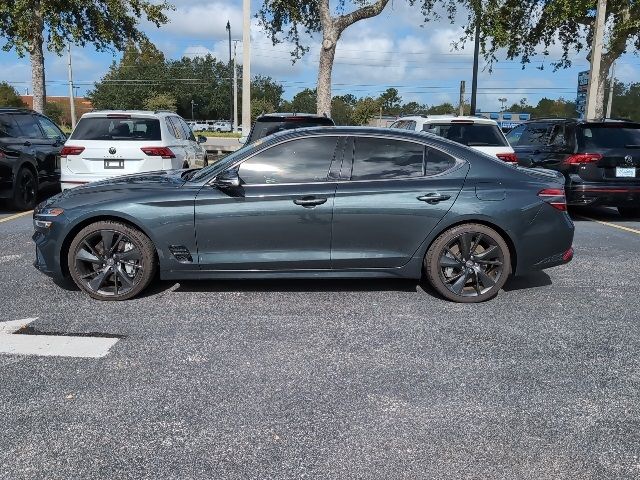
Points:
x=470 y=134
x=609 y=136
x=122 y=128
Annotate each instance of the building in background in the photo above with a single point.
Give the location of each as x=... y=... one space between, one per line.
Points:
x=83 y=105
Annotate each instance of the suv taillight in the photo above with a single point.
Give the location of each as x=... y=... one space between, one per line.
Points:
x=68 y=150
x=554 y=197
x=164 y=152
x=580 y=158
x=508 y=157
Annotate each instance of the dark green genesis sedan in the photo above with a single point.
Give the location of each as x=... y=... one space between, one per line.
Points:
x=309 y=203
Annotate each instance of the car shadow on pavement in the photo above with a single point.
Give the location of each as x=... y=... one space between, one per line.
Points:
x=531 y=280
x=605 y=214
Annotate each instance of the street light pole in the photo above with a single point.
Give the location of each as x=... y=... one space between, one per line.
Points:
x=192 y=105
x=231 y=75
x=476 y=52
x=72 y=103
x=246 y=67
x=235 y=86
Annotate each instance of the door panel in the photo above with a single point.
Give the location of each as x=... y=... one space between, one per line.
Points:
x=381 y=220
x=261 y=228
x=280 y=216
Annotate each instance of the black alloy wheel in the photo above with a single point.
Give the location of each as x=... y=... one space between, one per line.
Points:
x=111 y=261
x=468 y=263
x=25 y=190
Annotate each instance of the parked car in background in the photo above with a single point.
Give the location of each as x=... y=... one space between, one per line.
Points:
x=110 y=143
x=221 y=127
x=481 y=134
x=270 y=123
x=309 y=203
x=29 y=147
x=198 y=126
x=599 y=160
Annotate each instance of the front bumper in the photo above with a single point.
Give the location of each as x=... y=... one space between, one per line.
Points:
x=47 y=252
x=610 y=195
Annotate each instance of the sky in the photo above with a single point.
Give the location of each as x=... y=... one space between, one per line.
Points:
x=396 y=49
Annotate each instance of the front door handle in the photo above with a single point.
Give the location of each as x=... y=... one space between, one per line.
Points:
x=433 y=198
x=27 y=143
x=309 y=202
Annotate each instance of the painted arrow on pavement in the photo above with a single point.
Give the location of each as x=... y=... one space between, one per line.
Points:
x=50 y=345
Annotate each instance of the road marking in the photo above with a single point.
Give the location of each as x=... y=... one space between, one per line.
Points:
x=614 y=225
x=17 y=215
x=50 y=345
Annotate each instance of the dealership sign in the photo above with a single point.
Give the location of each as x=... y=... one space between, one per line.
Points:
x=581 y=98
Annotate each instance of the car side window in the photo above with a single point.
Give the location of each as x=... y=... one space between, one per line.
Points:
x=188 y=134
x=174 y=129
x=386 y=158
x=51 y=131
x=303 y=160
x=437 y=161
x=513 y=137
x=411 y=125
x=8 y=127
x=536 y=134
x=28 y=125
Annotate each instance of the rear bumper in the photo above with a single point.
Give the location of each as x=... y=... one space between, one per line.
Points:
x=612 y=195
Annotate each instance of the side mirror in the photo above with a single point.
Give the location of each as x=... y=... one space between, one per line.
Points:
x=242 y=140
x=202 y=139
x=227 y=179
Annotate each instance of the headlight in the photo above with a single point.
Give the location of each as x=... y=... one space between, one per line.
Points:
x=46 y=213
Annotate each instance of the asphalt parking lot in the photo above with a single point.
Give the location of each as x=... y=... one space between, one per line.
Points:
x=332 y=379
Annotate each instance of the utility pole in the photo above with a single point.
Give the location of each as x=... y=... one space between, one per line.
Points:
x=596 y=56
x=231 y=75
x=235 y=86
x=246 y=67
x=72 y=103
x=476 y=53
x=612 y=82
x=461 y=108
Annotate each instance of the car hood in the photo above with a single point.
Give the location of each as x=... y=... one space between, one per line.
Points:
x=117 y=187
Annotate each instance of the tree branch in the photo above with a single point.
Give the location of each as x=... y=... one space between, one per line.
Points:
x=368 y=11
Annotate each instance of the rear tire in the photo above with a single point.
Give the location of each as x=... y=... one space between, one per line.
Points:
x=629 y=212
x=25 y=189
x=469 y=263
x=111 y=261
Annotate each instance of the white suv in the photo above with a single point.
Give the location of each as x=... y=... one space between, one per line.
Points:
x=478 y=133
x=106 y=144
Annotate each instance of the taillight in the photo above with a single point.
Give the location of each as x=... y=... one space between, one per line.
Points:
x=554 y=197
x=164 y=152
x=71 y=151
x=508 y=157
x=580 y=158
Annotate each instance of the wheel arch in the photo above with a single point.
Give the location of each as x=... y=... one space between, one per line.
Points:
x=482 y=221
x=77 y=227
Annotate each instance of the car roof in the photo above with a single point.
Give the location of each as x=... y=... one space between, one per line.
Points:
x=157 y=113
x=16 y=110
x=287 y=115
x=582 y=121
x=448 y=118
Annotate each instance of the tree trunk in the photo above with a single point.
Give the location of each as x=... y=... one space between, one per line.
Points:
x=37 y=76
x=327 y=54
x=602 y=84
x=36 y=53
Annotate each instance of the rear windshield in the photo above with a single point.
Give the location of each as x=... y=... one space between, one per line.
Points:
x=472 y=135
x=267 y=126
x=104 y=128
x=609 y=136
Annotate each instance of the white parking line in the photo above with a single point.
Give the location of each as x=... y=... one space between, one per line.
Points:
x=50 y=345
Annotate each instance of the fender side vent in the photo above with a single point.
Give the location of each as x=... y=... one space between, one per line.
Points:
x=181 y=253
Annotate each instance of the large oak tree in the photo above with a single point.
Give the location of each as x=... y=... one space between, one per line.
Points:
x=31 y=26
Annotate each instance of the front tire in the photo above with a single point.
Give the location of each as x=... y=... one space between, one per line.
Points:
x=629 y=212
x=25 y=190
x=469 y=263
x=111 y=261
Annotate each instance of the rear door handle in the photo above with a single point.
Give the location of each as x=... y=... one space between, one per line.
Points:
x=309 y=202
x=433 y=198
x=27 y=143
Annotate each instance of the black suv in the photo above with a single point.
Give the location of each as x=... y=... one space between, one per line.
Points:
x=276 y=122
x=30 y=146
x=599 y=159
